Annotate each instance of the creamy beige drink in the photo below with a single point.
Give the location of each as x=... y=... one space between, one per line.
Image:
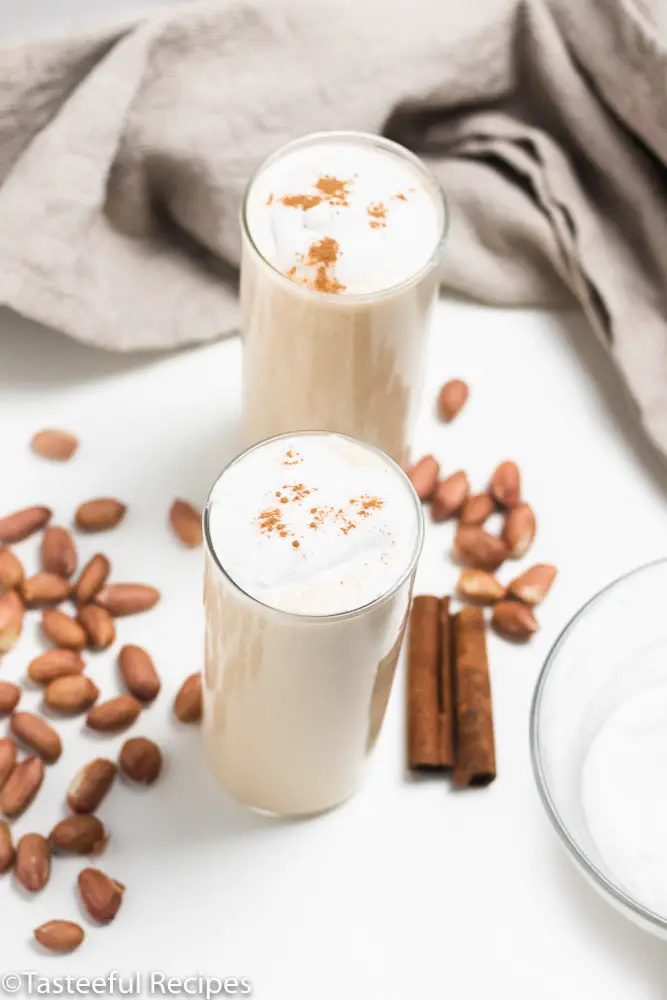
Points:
x=312 y=543
x=341 y=238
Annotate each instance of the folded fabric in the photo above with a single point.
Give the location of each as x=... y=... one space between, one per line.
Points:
x=124 y=154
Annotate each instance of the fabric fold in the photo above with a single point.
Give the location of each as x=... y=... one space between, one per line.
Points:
x=124 y=154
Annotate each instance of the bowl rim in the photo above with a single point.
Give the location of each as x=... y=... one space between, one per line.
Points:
x=578 y=855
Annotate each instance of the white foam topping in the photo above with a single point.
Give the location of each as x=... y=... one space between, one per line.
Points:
x=313 y=524
x=345 y=216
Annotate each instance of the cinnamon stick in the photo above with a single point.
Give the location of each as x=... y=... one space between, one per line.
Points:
x=475 y=750
x=447 y=746
x=423 y=702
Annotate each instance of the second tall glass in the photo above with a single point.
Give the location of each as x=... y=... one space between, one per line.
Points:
x=319 y=354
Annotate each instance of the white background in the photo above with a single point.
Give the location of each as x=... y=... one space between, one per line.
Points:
x=410 y=889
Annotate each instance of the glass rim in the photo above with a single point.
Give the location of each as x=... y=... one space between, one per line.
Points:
x=349 y=136
x=339 y=615
x=591 y=870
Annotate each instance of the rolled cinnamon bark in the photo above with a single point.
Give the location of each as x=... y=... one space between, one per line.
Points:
x=423 y=702
x=447 y=746
x=475 y=746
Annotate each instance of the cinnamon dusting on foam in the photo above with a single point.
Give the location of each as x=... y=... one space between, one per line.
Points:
x=323 y=254
x=374 y=204
x=273 y=518
x=378 y=214
x=367 y=544
x=330 y=189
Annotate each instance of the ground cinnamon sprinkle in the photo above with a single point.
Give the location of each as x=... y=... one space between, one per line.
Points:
x=269 y=200
x=326 y=252
x=299 y=491
x=322 y=255
x=333 y=189
x=369 y=504
x=378 y=214
x=362 y=506
x=302 y=201
x=320 y=515
x=269 y=519
x=330 y=189
x=400 y=197
x=324 y=282
x=346 y=524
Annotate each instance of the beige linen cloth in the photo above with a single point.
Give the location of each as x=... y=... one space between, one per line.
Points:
x=124 y=153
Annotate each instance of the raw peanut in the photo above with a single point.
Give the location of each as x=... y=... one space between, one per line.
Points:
x=62 y=630
x=11 y=620
x=449 y=496
x=54 y=663
x=424 y=476
x=44 y=590
x=188 y=701
x=506 y=484
x=23 y=523
x=479 y=549
x=71 y=694
x=452 y=398
x=7 y=758
x=6 y=847
x=478 y=585
x=140 y=760
x=127 y=598
x=57 y=445
x=114 y=715
x=519 y=529
x=78 y=834
x=93 y=577
x=11 y=570
x=10 y=695
x=33 y=862
x=58 y=552
x=100 y=894
x=186 y=523
x=98 y=624
x=477 y=509
x=514 y=620
x=59 y=935
x=533 y=585
x=139 y=673
x=22 y=786
x=90 y=785
x=36 y=733
x=100 y=514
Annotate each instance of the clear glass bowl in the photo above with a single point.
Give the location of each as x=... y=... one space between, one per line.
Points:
x=613 y=651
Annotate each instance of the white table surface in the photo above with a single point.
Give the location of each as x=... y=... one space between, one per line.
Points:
x=409 y=889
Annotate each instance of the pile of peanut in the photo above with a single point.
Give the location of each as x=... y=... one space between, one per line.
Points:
x=68 y=690
x=477 y=550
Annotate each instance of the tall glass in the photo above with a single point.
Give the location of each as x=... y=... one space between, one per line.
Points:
x=352 y=363
x=293 y=703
